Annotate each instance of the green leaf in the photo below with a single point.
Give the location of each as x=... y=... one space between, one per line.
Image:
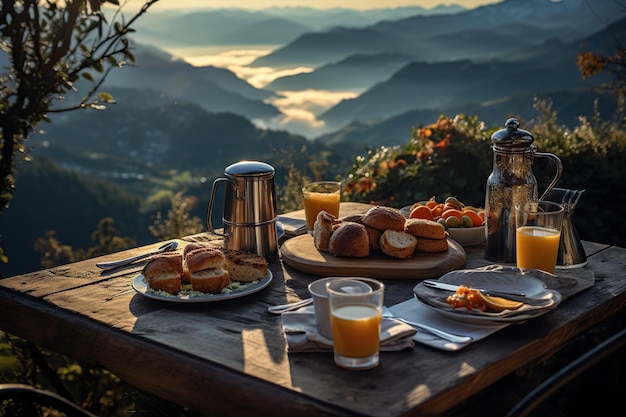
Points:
x=87 y=76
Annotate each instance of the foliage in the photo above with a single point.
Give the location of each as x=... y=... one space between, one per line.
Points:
x=52 y=45
x=178 y=222
x=592 y=155
x=107 y=237
x=450 y=157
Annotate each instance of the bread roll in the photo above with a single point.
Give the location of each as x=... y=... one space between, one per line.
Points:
x=164 y=273
x=244 y=266
x=425 y=228
x=355 y=218
x=204 y=258
x=322 y=230
x=431 y=245
x=211 y=280
x=397 y=244
x=193 y=246
x=373 y=236
x=349 y=240
x=384 y=218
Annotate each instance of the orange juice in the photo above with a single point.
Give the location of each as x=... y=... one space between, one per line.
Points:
x=316 y=202
x=356 y=330
x=537 y=247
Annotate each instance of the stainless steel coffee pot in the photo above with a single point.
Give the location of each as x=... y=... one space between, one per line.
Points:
x=511 y=182
x=250 y=206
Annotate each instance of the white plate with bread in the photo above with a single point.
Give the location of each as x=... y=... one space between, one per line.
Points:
x=233 y=290
x=203 y=274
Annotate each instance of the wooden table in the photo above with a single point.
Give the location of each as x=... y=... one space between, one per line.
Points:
x=230 y=357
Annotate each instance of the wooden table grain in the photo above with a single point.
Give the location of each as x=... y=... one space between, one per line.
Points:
x=230 y=357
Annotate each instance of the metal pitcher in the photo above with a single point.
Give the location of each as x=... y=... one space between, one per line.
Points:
x=249 y=215
x=511 y=182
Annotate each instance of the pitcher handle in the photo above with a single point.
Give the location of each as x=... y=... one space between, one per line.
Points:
x=209 y=215
x=559 y=171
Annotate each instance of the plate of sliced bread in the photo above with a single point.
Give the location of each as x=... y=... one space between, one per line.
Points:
x=202 y=273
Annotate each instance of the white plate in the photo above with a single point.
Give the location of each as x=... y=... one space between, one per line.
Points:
x=141 y=286
x=496 y=278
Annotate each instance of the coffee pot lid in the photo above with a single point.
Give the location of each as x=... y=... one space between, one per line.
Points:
x=249 y=169
x=512 y=136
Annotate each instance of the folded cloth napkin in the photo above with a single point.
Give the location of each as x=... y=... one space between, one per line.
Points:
x=302 y=334
x=413 y=310
x=292 y=226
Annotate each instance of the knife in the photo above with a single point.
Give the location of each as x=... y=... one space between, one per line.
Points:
x=454 y=288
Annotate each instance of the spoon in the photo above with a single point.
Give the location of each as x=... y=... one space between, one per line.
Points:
x=169 y=246
x=289 y=307
x=454 y=338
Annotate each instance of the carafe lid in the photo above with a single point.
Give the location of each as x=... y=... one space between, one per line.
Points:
x=249 y=169
x=512 y=136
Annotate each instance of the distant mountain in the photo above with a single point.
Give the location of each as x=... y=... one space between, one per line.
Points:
x=396 y=129
x=270 y=26
x=215 y=89
x=421 y=85
x=493 y=30
x=356 y=72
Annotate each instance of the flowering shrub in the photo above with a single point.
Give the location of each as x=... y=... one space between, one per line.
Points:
x=451 y=157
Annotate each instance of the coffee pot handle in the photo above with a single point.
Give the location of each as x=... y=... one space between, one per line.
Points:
x=559 y=171
x=209 y=215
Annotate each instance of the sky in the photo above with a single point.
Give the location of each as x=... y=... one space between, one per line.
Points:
x=319 y=4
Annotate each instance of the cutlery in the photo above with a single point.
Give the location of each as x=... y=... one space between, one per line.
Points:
x=116 y=264
x=454 y=338
x=289 y=307
x=510 y=295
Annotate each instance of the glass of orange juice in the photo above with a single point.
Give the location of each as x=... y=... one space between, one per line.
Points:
x=356 y=315
x=538 y=234
x=318 y=196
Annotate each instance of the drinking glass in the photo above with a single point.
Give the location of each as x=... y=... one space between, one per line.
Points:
x=538 y=234
x=356 y=317
x=318 y=196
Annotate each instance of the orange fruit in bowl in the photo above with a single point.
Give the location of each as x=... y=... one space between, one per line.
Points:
x=476 y=219
x=421 y=212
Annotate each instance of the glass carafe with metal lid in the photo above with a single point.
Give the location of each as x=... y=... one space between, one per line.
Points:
x=249 y=208
x=511 y=182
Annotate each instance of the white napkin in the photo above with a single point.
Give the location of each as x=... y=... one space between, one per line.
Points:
x=302 y=334
x=412 y=310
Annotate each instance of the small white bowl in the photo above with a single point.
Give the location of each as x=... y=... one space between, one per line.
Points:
x=467 y=236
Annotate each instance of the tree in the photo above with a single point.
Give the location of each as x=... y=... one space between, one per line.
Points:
x=51 y=45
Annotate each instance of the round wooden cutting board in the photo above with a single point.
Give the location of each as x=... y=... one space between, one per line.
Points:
x=300 y=253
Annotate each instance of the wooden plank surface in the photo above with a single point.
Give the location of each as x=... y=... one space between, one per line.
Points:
x=301 y=254
x=235 y=357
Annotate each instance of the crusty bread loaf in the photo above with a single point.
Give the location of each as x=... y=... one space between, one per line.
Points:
x=350 y=240
x=384 y=218
x=244 y=266
x=431 y=245
x=164 y=272
x=195 y=245
x=355 y=218
x=322 y=230
x=373 y=236
x=397 y=244
x=425 y=228
x=204 y=258
x=211 y=280
x=204 y=269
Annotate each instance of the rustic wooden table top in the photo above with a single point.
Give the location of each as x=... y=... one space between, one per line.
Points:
x=230 y=357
